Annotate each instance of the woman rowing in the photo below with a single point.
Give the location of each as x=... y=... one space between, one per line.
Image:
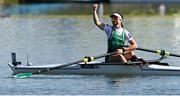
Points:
x=117 y=36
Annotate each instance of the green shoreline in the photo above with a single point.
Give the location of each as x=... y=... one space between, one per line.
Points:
x=126 y=9
x=89 y=16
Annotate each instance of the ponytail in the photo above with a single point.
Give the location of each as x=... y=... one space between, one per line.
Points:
x=122 y=25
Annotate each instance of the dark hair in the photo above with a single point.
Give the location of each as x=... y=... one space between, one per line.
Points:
x=122 y=25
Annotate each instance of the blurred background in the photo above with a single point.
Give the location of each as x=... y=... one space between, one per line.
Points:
x=75 y=7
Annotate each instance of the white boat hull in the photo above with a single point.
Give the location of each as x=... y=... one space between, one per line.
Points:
x=101 y=69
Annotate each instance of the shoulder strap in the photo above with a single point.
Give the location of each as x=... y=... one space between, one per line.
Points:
x=112 y=32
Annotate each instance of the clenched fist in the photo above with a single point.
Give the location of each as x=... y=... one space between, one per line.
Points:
x=95 y=6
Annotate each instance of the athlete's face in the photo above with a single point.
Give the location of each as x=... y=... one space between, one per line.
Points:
x=115 y=20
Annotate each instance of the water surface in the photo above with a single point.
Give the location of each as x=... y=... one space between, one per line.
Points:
x=59 y=39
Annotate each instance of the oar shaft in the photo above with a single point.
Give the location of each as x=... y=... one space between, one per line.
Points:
x=175 y=55
x=143 y=49
x=161 y=52
x=103 y=55
x=82 y=60
x=147 y=50
x=72 y=63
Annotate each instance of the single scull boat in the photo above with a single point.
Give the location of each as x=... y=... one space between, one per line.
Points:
x=101 y=68
x=88 y=66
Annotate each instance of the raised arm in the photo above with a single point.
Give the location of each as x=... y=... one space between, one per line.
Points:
x=96 y=18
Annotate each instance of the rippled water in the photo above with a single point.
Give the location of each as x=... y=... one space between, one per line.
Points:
x=59 y=39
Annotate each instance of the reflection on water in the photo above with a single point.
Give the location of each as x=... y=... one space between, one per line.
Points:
x=149 y=85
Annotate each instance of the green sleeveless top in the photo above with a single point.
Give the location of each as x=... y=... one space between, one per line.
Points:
x=116 y=40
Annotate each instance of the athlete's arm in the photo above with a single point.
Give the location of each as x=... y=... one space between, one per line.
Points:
x=96 y=18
